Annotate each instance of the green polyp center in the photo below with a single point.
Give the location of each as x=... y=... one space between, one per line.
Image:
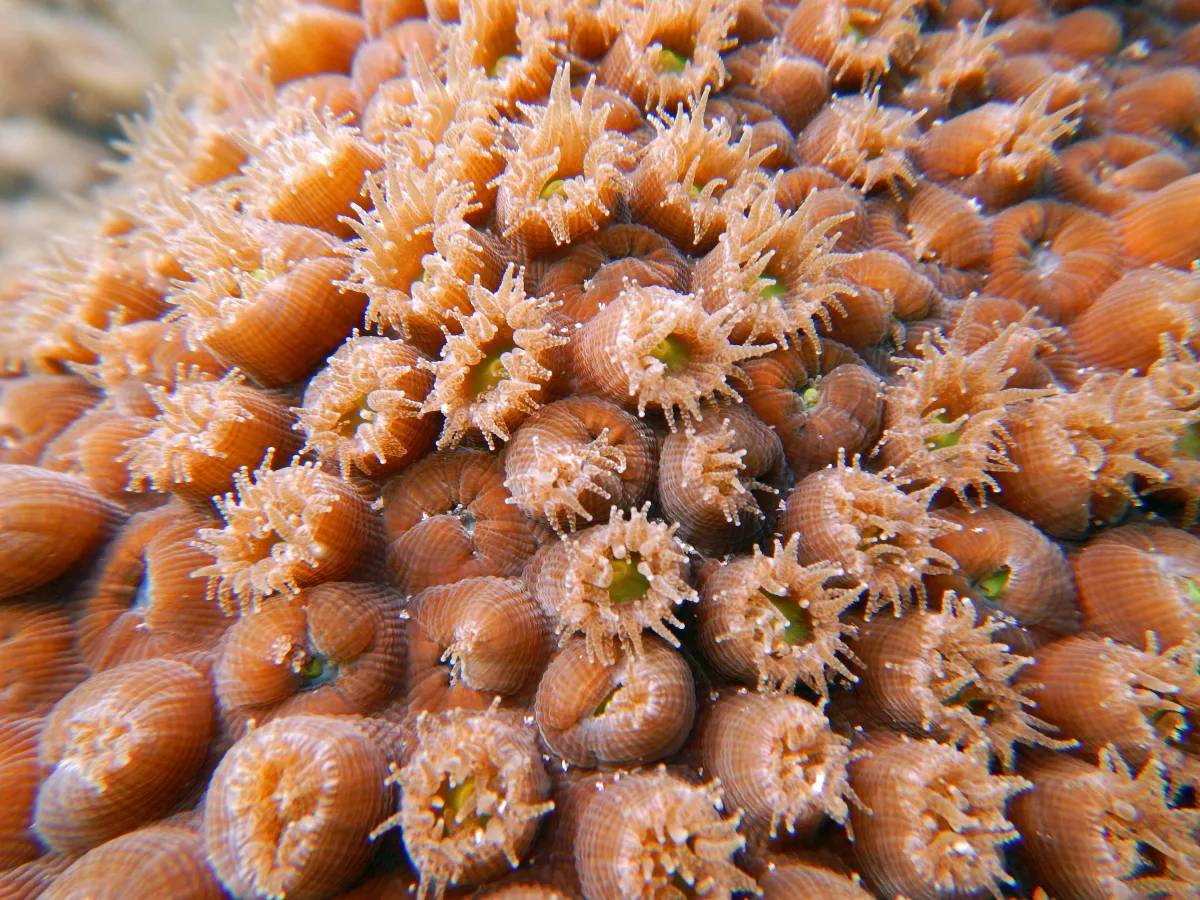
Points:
x=348 y=424
x=628 y=584
x=498 y=66
x=423 y=277
x=465 y=517
x=557 y=187
x=259 y=275
x=670 y=63
x=799 y=629
x=316 y=671
x=810 y=396
x=855 y=31
x=950 y=439
x=870 y=537
x=489 y=372
x=995 y=583
x=771 y=288
x=608 y=698
x=1192 y=590
x=1189 y=443
x=456 y=799
x=672 y=353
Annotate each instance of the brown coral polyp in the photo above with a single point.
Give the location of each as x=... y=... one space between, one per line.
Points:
x=473 y=793
x=363 y=410
x=34 y=410
x=1054 y=256
x=652 y=348
x=772 y=623
x=496 y=370
x=778 y=761
x=938 y=822
x=818 y=405
x=880 y=536
x=333 y=649
x=1012 y=569
x=143 y=600
x=633 y=711
x=669 y=51
x=205 y=432
x=291 y=807
x=287 y=528
x=565 y=171
x=448 y=517
x=571 y=462
x=945 y=673
x=472 y=640
x=1139 y=579
x=119 y=750
x=1089 y=828
x=648 y=832
x=721 y=480
x=264 y=297
x=859 y=41
x=48 y=524
x=614 y=580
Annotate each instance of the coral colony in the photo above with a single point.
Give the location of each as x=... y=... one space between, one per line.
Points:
x=613 y=449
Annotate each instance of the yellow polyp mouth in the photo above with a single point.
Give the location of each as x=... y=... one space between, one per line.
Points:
x=810 y=396
x=454 y=801
x=555 y=188
x=316 y=671
x=941 y=441
x=348 y=424
x=628 y=584
x=1189 y=443
x=995 y=583
x=602 y=708
x=672 y=353
x=489 y=372
x=1192 y=590
x=259 y=275
x=771 y=288
x=799 y=628
x=872 y=536
x=668 y=62
x=498 y=66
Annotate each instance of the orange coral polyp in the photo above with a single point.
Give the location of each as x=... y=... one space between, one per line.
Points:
x=495 y=371
x=363 y=409
x=654 y=348
x=564 y=173
x=669 y=51
x=777 y=269
x=288 y=528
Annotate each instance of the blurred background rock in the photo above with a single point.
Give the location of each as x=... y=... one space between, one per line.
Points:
x=68 y=68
